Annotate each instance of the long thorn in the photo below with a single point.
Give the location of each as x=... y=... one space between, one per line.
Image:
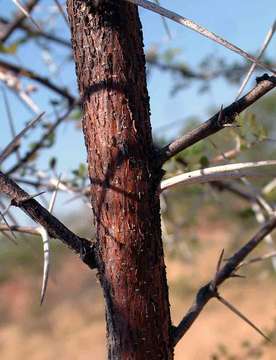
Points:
x=243 y=317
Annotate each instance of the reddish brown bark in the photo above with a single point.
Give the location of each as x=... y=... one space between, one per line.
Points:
x=110 y=65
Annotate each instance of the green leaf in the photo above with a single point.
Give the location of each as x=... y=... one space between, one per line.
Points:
x=11 y=49
x=204 y=161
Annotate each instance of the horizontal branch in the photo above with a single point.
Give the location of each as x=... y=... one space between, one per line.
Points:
x=209 y=290
x=215 y=173
x=34 y=32
x=220 y=120
x=52 y=225
x=20 y=229
x=22 y=71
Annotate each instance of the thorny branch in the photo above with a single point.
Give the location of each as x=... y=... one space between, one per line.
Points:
x=52 y=225
x=220 y=120
x=199 y=29
x=209 y=291
x=11 y=26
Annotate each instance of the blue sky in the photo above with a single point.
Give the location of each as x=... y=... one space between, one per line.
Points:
x=244 y=23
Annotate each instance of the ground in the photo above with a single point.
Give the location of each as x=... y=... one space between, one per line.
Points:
x=70 y=325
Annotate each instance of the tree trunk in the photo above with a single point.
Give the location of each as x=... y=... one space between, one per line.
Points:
x=110 y=66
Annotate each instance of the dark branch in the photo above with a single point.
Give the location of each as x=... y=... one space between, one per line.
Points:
x=33 y=32
x=219 y=120
x=40 y=215
x=11 y=26
x=21 y=71
x=239 y=191
x=209 y=290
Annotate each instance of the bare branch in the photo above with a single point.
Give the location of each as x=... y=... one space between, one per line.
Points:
x=228 y=115
x=199 y=29
x=215 y=173
x=33 y=32
x=21 y=71
x=18 y=20
x=26 y=12
x=15 y=142
x=239 y=191
x=42 y=216
x=60 y=8
x=254 y=65
x=209 y=291
x=20 y=229
x=270 y=255
x=10 y=120
x=166 y=26
x=7 y=224
x=39 y=144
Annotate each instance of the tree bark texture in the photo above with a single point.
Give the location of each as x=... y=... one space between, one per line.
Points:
x=110 y=66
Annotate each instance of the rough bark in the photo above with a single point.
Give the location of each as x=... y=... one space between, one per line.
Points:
x=110 y=66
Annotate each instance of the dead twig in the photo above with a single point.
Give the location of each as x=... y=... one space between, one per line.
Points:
x=209 y=291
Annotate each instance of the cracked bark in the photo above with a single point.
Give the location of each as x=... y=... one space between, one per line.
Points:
x=110 y=66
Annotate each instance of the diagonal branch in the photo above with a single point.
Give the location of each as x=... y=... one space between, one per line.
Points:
x=16 y=140
x=254 y=65
x=220 y=120
x=209 y=291
x=43 y=217
x=25 y=12
x=33 y=32
x=17 y=21
x=39 y=144
x=21 y=71
x=199 y=29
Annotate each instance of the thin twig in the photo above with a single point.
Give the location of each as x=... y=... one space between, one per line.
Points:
x=199 y=29
x=7 y=224
x=21 y=71
x=15 y=142
x=39 y=144
x=254 y=65
x=165 y=24
x=10 y=119
x=20 y=229
x=40 y=215
x=212 y=126
x=209 y=291
x=60 y=8
x=33 y=32
x=26 y=12
x=270 y=255
x=17 y=21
